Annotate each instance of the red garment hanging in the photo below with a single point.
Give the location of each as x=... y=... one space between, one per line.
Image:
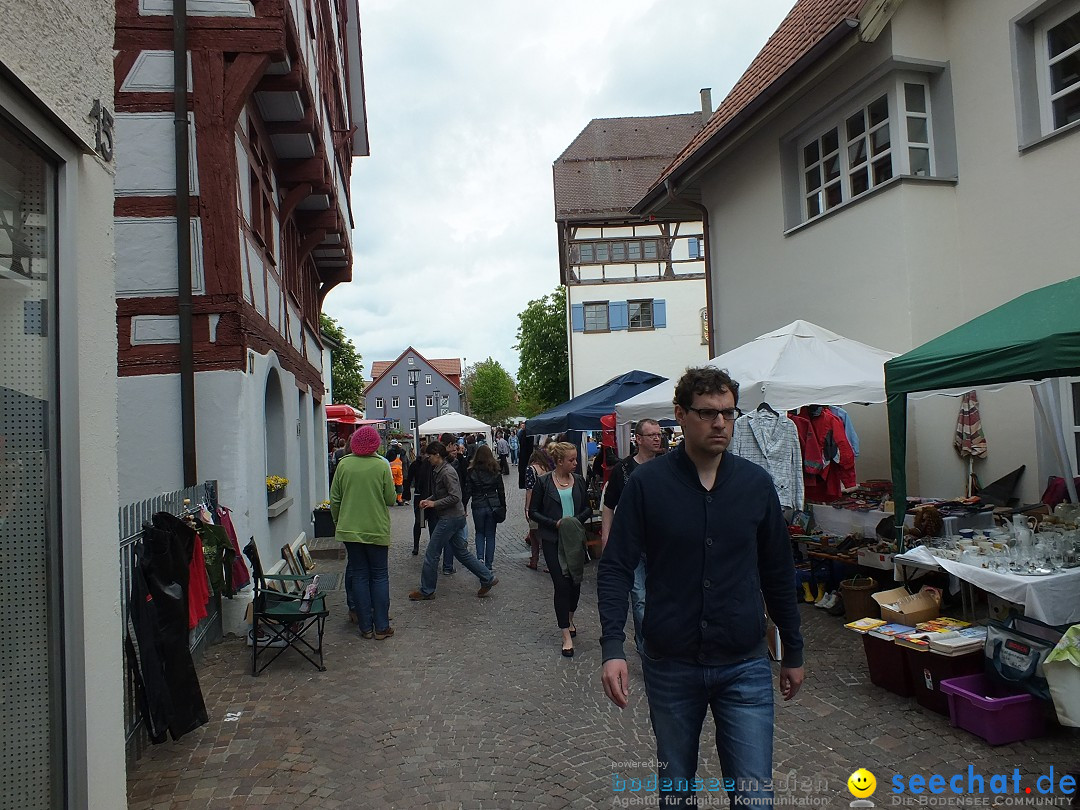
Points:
x=825 y=486
x=198 y=585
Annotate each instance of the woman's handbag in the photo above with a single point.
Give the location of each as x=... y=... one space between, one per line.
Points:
x=498 y=509
x=1015 y=650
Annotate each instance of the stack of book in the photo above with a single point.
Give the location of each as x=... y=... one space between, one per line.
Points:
x=889 y=632
x=864 y=625
x=958 y=642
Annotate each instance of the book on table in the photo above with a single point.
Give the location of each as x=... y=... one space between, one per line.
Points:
x=864 y=625
x=941 y=624
x=958 y=642
x=888 y=632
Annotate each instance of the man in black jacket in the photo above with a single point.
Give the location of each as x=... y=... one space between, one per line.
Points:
x=717 y=552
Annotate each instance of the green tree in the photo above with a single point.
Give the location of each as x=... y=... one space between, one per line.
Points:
x=346 y=365
x=490 y=391
x=544 y=370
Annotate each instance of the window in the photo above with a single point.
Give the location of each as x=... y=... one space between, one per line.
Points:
x=1057 y=47
x=430 y=401
x=412 y=424
x=649 y=250
x=862 y=148
x=641 y=314
x=397 y=424
x=412 y=360
x=393 y=379
x=412 y=402
x=623 y=250
x=596 y=317
x=379 y=402
x=427 y=379
x=446 y=401
x=693 y=247
x=395 y=402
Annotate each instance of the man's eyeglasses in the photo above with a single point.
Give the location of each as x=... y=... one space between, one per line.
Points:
x=710 y=414
x=649 y=435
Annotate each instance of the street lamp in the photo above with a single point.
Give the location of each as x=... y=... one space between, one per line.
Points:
x=438 y=402
x=414 y=378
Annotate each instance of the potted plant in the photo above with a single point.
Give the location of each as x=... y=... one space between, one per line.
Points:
x=275 y=488
x=324 y=523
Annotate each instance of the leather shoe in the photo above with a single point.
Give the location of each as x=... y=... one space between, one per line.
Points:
x=420 y=596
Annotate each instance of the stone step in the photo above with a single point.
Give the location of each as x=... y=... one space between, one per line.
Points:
x=326 y=548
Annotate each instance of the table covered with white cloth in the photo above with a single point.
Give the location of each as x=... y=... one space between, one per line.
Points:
x=1054 y=598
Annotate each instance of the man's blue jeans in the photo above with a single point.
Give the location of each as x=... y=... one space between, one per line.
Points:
x=741 y=698
x=484 y=521
x=450 y=530
x=637 y=603
x=367 y=585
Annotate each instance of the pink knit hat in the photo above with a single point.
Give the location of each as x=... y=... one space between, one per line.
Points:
x=365 y=441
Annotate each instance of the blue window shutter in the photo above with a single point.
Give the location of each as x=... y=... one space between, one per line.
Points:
x=618 y=315
x=577 y=317
x=659 y=313
x=694 y=249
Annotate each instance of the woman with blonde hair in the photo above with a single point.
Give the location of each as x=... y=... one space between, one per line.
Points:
x=560 y=506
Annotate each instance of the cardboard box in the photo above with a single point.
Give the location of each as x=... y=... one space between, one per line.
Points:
x=913 y=608
x=872 y=559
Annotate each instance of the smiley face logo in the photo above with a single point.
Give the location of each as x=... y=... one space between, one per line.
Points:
x=862 y=783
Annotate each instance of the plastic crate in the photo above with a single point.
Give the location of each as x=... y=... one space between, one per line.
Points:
x=927 y=669
x=886 y=663
x=979 y=705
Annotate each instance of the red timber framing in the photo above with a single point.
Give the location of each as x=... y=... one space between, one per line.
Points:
x=305 y=252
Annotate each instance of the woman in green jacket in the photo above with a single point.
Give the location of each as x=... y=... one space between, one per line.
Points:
x=360 y=500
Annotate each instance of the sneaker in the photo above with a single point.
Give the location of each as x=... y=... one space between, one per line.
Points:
x=420 y=596
x=485 y=589
x=383 y=634
x=448 y=571
x=367 y=634
x=837 y=608
x=824 y=601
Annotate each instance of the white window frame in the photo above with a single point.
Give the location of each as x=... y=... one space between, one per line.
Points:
x=898 y=149
x=395 y=402
x=427 y=379
x=393 y=379
x=430 y=401
x=446 y=400
x=412 y=424
x=412 y=402
x=1043 y=63
x=412 y=360
x=380 y=402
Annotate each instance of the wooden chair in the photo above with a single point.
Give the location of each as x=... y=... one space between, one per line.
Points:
x=287 y=626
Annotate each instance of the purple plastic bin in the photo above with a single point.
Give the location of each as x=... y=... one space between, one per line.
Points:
x=979 y=705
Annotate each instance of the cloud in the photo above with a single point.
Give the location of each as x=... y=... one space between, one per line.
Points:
x=468 y=106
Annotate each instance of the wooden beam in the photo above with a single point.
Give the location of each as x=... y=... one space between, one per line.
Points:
x=297 y=194
x=308 y=170
x=311 y=241
x=240 y=79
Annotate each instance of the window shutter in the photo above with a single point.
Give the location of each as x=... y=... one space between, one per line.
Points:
x=577 y=317
x=659 y=313
x=694 y=249
x=618 y=315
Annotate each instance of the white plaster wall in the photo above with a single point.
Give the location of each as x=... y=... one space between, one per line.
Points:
x=230 y=446
x=901 y=267
x=146 y=154
x=146 y=256
x=597 y=357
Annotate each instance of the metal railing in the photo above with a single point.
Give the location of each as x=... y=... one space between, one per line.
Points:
x=207 y=631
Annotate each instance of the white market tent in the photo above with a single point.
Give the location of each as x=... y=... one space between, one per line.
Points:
x=452 y=422
x=798 y=364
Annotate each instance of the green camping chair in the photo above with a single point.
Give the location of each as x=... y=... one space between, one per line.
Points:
x=279 y=613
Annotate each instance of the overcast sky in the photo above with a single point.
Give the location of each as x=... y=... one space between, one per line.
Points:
x=468 y=105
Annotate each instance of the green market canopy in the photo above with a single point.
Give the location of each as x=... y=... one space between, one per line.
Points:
x=1030 y=338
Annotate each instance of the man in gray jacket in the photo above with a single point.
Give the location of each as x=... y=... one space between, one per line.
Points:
x=445 y=499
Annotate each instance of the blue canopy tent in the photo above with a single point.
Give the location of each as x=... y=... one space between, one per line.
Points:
x=583 y=412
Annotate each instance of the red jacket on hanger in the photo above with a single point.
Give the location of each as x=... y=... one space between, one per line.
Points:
x=823 y=439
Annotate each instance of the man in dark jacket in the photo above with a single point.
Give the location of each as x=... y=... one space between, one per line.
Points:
x=717 y=552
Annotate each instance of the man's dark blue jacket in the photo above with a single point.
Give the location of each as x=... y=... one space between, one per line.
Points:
x=716 y=559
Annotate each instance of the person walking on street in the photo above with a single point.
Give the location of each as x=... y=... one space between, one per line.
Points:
x=717 y=553
x=418 y=486
x=487 y=493
x=502 y=448
x=513 y=442
x=538 y=466
x=458 y=461
x=445 y=499
x=360 y=501
x=560 y=506
x=648 y=435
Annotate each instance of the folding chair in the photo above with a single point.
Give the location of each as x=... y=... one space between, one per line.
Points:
x=280 y=614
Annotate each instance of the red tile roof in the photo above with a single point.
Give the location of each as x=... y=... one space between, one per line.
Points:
x=805 y=26
x=451 y=369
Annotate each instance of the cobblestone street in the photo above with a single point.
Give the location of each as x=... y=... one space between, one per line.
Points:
x=470 y=705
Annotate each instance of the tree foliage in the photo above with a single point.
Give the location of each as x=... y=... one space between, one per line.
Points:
x=346 y=365
x=490 y=392
x=544 y=370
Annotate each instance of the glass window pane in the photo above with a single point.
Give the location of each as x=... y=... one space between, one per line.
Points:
x=832 y=168
x=602 y=251
x=634 y=250
x=879 y=140
x=813 y=179
x=914 y=97
x=650 y=249
x=879 y=111
x=882 y=170
x=810 y=153
x=1065 y=72
x=830 y=142
x=920 y=162
x=1067 y=109
x=856 y=125
x=860 y=181
x=1064 y=35
x=833 y=196
x=618 y=251
x=586 y=254
x=857 y=152
x=918 y=130
x=813 y=205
